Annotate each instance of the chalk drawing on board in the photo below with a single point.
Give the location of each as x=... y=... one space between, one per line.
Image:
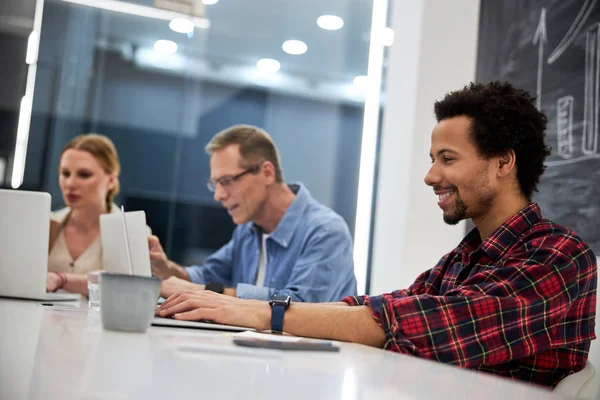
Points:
x=540 y=39
x=591 y=94
x=564 y=126
x=557 y=163
x=571 y=34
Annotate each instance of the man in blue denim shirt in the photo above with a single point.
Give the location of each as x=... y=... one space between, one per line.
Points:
x=285 y=241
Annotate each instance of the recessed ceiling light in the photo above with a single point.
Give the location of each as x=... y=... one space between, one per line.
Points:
x=360 y=82
x=209 y=2
x=182 y=25
x=268 y=65
x=165 y=46
x=388 y=37
x=294 y=47
x=330 y=22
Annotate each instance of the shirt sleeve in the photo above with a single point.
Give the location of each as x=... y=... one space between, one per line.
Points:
x=426 y=283
x=502 y=313
x=248 y=291
x=326 y=262
x=217 y=268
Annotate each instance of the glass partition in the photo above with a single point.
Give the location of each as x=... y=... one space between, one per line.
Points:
x=160 y=84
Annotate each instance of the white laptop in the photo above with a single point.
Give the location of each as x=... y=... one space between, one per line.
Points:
x=125 y=251
x=177 y=323
x=125 y=243
x=24 y=239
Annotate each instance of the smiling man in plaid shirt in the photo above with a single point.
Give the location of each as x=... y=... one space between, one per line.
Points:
x=516 y=297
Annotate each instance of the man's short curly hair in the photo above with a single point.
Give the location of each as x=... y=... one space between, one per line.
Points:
x=502 y=117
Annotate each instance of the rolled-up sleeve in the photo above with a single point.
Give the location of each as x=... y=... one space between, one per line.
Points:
x=252 y=292
x=422 y=285
x=495 y=316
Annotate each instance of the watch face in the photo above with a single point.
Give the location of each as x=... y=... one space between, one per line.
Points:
x=280 y=300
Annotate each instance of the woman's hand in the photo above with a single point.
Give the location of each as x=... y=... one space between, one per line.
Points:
x=54 y=281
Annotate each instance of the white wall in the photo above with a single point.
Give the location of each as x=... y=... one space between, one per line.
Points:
x=434 y=52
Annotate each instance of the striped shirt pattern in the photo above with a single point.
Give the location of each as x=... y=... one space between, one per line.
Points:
x=520 y=304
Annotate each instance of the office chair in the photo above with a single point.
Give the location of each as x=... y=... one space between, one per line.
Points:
x=582 y=385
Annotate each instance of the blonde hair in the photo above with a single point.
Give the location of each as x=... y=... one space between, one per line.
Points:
x=255 y=146
x=105 y=152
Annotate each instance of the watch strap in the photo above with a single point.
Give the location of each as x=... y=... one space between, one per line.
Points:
x=215 y=287
x=277 y=313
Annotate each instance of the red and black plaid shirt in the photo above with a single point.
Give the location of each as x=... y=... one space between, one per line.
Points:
x=520 y=304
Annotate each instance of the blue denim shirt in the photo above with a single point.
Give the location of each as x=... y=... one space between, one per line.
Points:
x=309 y=256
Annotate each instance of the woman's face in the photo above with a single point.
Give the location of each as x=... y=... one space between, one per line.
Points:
x=83 y=182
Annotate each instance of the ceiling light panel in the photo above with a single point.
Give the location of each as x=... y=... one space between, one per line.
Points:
x=268 y=65
x=165 y=46
x=330 y=22
x=182 y=25
x=295 y=47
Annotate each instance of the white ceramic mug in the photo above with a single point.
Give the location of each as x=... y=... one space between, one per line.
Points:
x=128 y=302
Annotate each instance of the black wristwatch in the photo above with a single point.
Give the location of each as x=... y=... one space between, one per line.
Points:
x=215 y=287
x=278 y=305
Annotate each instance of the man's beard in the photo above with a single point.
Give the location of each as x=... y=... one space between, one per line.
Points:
x=460 y=212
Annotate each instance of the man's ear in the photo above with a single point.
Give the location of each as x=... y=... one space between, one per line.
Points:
x=507 y=162
x=269 y=171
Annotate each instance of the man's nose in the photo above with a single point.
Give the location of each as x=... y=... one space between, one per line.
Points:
x=433 y=176
x=220 y=193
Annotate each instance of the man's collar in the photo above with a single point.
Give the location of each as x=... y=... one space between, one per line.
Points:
x=286 y=228
x=500 y=240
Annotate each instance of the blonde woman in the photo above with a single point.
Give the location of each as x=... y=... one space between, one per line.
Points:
x=89 y=180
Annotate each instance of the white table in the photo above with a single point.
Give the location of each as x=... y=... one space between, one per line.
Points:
x=51 y=353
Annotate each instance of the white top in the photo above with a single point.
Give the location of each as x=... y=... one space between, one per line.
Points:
x=262 y=263
x=56 y=353
x=59 y=258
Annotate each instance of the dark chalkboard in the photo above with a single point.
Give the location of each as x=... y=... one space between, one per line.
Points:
x=552 y=48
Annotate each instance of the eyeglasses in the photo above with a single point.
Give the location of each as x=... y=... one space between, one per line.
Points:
x=229 y=180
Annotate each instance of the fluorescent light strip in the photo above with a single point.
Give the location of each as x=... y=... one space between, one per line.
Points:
x=33 y=46
x=22 y=139
x=18 y=168
x=139 y=10
x=366 y=177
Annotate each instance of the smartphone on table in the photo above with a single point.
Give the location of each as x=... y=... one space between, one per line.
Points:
x=324 y=345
